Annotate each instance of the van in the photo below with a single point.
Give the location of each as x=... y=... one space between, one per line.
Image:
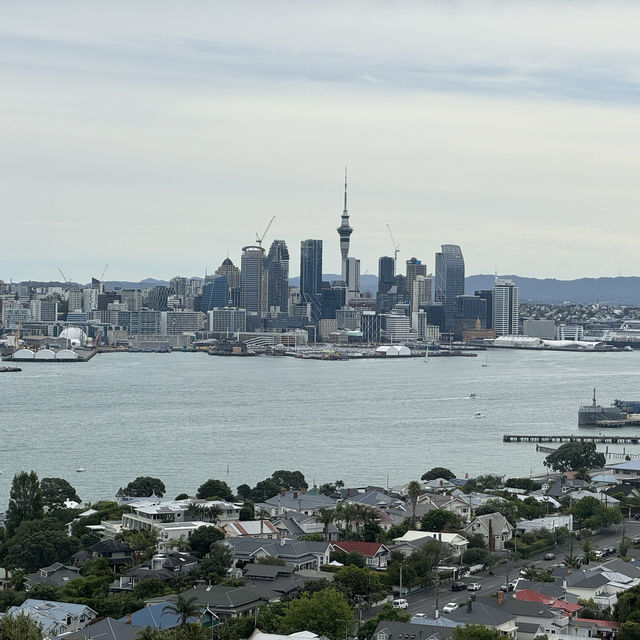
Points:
x=400 y=603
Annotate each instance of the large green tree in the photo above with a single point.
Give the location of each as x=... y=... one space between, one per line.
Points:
x=202 y=538
x=575 y=455
x=19 y=627
x=386 y=612
x=25 y=500
x=438 y=472
x=354 y=581
x=325 y=612
x=145 y=486
x=56 y=491
x=590 y=513
x=476 y=632
x=439 y=520
x=215 y=489
x=627 y=608
x=37 y=549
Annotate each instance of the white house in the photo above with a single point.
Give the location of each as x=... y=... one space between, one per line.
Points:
x=493 y=527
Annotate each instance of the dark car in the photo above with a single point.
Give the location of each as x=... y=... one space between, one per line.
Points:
x=458 y=586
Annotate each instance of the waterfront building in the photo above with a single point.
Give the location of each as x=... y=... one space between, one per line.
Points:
x=545 y=329
x=570 y=332
x=232 y=274
x=420 y=291
x=396 y=328
x=143 y=322
x=505 y=308
x=227 y=320
x=371 y=326
x=311 y=276
x=348 y=318
x=326 y=326
x=344 y=231
x=276 y=265
x=179 y=322
x=471 y=314
x=449 y=281
x=14 y=317
x=253 y=289
x=158 y=298
x=214 y=293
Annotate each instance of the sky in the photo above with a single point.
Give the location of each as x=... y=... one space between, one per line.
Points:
x=156 y=137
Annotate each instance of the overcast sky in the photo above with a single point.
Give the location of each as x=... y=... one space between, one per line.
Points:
x=157 y=136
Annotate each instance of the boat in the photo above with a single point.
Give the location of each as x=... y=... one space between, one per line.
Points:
x=472 y=396
x=9 y=369
x=80 y=469
x=486 y=358
x=622 y=413
x=479 y=414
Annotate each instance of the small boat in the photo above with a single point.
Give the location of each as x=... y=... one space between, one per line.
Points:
x=486 y=358
x=9 y=369
x=479 y=414
x=472 y=396
x=80 y=469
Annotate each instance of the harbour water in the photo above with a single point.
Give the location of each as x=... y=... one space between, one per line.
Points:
x=186 y=417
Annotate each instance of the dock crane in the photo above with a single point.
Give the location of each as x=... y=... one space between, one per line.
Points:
x=259 y=239
x=396 y=249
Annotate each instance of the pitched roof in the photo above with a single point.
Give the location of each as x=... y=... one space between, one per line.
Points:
x=106 y=629
x=109 y=546
x=414 y=631
x=549 y=589
x=367 y=549
x=480 y=613
x=586 y=580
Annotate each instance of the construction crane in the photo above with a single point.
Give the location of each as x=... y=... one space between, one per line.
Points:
x=396 y=249
x=67 y=280
x=264 y=233
x=106 y=266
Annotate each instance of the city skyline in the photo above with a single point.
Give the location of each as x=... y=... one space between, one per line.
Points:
x=157 y=142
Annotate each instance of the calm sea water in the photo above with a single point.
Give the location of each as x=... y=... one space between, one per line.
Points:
x=187 y=417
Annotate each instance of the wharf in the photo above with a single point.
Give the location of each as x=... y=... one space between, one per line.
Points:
x=83 y=355
x=600 y=438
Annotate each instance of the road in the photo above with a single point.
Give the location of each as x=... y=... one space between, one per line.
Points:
x=424 y=601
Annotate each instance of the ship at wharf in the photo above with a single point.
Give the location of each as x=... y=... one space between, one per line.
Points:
x=600 y=438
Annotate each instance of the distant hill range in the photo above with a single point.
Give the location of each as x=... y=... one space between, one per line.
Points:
x=620 y=290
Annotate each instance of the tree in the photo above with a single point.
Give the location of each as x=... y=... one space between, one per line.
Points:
x=475 y=556
x=508 y=509
x=32 y=549
x=56 y=491
x=25 y=500
x=629 y=631
x=143 y=541
x=353 y=558
x=244 y=491
x=145 y=486
x=326 y=516
x=438 y=472
x=575 y=455
x=202 y=538
x=386 y=612
x=215 y=489
x=289 y=479
x=413 y=493
x=216 y=564
x=476 y=632
x=19 y=627
x=184 y=608
x=149 y=588
x=627 y=608
x=527 y=484
x=354 y=581
x=325 y=612
x=440 y=520
x=590 y=513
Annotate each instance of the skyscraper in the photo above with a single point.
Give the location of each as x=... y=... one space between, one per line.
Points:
x=276 y=265
x=386 y=273
x=449 y=281
x=506 y=309
x=311 y=276
x=344 y=231
x=232 y=274
x=352 y=278
x=215 y=293
x=415 y=268
x=253 y=294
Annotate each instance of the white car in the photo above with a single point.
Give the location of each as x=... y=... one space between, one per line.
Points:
x=450 y=607
x=474 y=586
x=400 y=603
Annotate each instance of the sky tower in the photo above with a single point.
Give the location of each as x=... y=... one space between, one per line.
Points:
x=344 y=231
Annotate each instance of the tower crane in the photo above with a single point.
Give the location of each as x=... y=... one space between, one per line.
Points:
x=106 y=266
x=396 y=249
x=259 y=239
x=67 y=280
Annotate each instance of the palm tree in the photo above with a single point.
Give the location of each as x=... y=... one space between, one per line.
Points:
x=148 y=634
x=326 y=516
x=212 y=513
x=413 y=493
x=183 y=607
x=193 y=510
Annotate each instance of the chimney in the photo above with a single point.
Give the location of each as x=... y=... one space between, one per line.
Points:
x=295 y=495
x=127 y=618
x=303 y=491
x=348 y=492
x=441 y=483
x=500 y=595
x=466 y=475
x=282 y=491
x=469 y=605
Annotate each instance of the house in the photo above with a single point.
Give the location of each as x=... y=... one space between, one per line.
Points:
x=494 y=528
x=605 y=629
x=300 y=635
x=163 y=566
x=299 y=500
x=294 y=524
x=115 y=552
x=156 y=616
x=55 y=618
x=284 y=581
x=376 y=555
x=251 y=528
x=551 y=590
x=551 y=523
x=567 y=608
x=224 y=602
x=56 y=575
x=413 y=540
x=491 y=616
x=453 y=503
x=592 y=585
x=602 y=496
x=300 y=554
x=563 y=486
x=629 y=470
x=418 y=629
x=105 y=629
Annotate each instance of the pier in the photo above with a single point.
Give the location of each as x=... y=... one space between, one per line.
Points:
x=610 y=455
x=600 y=438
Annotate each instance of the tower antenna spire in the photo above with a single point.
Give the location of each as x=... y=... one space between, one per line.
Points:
x=345 y=189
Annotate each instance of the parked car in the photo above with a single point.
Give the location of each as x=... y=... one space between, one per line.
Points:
x=474 y=586
x=420 y=615
x=507 y=587
x=450 y=607
x=549 y=556
x=635 y=539
x=598 y=553
x=458 y=586
x=611 y=550
x=400 y=603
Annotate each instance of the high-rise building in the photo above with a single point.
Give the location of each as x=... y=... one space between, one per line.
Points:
x=414 y=268
x=344 y=231
x=420 y=291
x=386 y=274
x=178 y=286
x=158 y=297
x=449 y=281
x=487 y=295
x=333 y=298
x=74 y=299
x=214 y=293
x=506 y=310
x=311 y=276
x=232 y=274
x=276 y=265
x=253 y=293
x=352 y=278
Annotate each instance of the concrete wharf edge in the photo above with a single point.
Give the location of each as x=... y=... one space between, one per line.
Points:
x=611 y=439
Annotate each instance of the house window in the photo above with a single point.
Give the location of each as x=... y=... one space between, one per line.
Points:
x=381 y=636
